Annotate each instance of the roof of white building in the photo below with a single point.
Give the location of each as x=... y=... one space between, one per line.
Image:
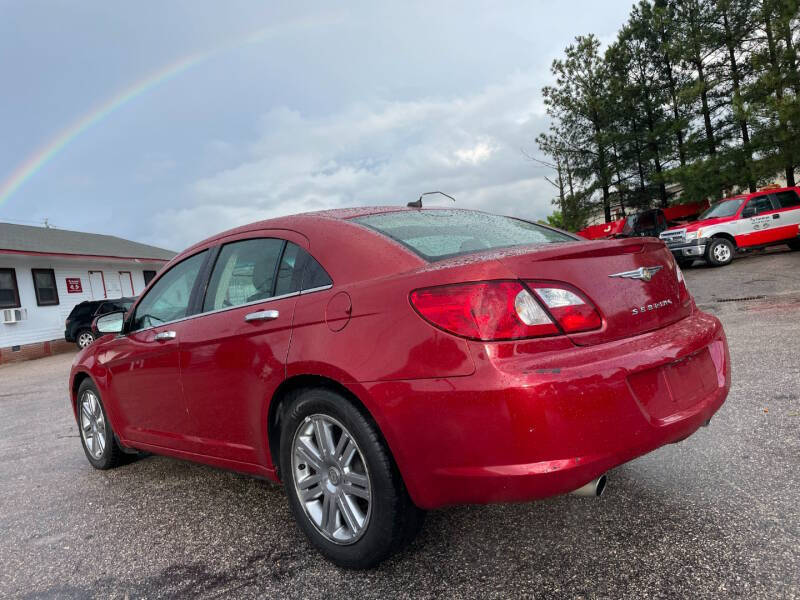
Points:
x=26 y=239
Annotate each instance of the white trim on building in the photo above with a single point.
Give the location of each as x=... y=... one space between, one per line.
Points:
x=98 y=279
x=83 y=266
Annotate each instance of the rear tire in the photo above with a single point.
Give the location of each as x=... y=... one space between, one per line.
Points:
x=84 y=339
x=97 y=436
x=794 y=244
x=354 y=508
x=719 y=252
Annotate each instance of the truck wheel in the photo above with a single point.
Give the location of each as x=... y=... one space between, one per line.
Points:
x=719 y=252
x=794 y=244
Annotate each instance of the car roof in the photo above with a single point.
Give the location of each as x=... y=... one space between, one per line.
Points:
x=300 y=221
x=327 y=232
x=761 y=192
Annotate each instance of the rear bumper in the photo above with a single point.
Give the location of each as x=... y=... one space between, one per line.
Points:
x=693 y=249
x=537 y=425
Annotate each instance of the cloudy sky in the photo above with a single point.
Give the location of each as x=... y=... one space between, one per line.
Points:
x=238 y=111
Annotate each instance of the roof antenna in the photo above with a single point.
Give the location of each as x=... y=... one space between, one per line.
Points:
x=418 y=203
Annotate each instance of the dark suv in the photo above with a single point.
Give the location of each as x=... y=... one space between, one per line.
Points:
x=78 y=327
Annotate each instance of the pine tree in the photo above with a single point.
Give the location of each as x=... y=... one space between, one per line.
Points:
x=580 y=101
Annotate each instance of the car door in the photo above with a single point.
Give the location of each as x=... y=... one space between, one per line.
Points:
x=787 y=221
x=234 y=358
x=756 y=222
x=144 y=362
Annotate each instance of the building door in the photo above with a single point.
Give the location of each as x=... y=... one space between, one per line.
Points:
x=98 y=284
x=126 y=281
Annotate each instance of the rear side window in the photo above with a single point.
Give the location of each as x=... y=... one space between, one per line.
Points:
x=289 y=270
x=439 y=234
x=82 y=310
x=114 y=305
x=245 y=272
x=787 y=199
x=315 y=276
x=759 y=205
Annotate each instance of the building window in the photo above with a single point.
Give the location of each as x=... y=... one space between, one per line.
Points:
x=44 y=282
x=148 y=276
x=9 y=292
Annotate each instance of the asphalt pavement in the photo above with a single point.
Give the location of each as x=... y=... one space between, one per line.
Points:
x=717 y=515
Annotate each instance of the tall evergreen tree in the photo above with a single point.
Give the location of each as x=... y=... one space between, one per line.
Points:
x=580 y=101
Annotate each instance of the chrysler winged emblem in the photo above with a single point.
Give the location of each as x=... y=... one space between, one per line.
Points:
x=643 y=273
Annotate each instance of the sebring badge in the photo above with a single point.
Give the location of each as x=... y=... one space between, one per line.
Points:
x=643 y=273
x=649 y=307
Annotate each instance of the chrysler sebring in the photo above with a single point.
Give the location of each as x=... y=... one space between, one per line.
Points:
x=384 y=361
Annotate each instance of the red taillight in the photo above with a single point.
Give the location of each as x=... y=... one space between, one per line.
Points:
x=492 y=310
x=506 y=310
x=573 y=312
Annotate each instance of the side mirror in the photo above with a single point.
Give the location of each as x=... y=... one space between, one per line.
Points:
x=110 y=323
x=748 y=212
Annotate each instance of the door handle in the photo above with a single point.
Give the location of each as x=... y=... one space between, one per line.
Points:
x=776 y=216
x=165 y=335
x=262 y=315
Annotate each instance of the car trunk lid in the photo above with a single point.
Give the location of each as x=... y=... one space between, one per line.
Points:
x=633 y=283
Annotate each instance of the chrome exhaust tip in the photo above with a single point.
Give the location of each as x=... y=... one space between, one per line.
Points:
x=592 y=489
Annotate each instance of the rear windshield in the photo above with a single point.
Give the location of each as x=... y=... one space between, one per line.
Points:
x=439 y=234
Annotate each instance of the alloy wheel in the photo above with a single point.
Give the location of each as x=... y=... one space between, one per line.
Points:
x=85 y=339
x=331 y=479
x=93 y=424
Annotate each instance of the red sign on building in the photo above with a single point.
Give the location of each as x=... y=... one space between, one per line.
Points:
x=74 y=285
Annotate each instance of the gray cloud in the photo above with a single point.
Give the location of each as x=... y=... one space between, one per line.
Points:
x=362 y=103
x=379 y=153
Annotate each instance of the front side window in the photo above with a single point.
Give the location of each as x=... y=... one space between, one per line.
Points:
x=787 y=199
x=9 y=292
x=44 y=283
x=245 y=272
x=439 y=234
x=168 y=300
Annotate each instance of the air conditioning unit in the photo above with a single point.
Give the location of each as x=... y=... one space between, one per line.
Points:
x=12 y=315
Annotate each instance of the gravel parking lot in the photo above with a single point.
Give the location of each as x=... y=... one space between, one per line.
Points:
x=717 y=515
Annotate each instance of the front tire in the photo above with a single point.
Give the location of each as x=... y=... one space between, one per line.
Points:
x=719 y=252
x=344 y=490
x=97 y=436
x=685 y=263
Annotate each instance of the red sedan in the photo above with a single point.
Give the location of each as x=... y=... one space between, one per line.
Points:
x=384 y=361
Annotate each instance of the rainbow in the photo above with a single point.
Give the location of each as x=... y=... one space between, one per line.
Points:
x=34 y=163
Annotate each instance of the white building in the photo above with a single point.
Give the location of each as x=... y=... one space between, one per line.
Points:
x=45 y=272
